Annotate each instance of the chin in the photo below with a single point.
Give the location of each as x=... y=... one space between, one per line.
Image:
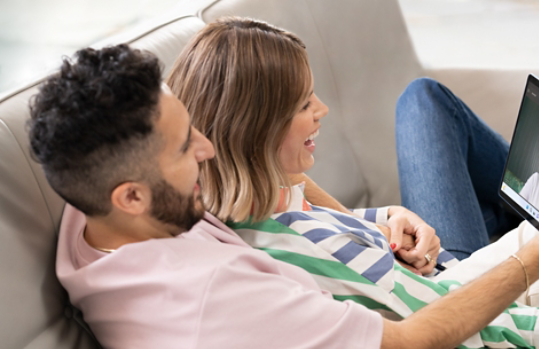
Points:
x=307 y=165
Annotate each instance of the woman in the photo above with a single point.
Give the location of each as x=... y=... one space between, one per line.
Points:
x=248 y=87
x=258 y=153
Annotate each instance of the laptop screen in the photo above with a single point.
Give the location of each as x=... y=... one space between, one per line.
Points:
x=520 y=182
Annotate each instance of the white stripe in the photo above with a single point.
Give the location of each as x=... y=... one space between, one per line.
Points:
x=416 y=289
x=387 y=282
x=474 y=341
x=360 y=212
x=322 y=250
x=350 y=288
x=335 y=243
x=285 y=242
x=381 y=215
x=303 y=227
x=504 y=320
x=326 y=217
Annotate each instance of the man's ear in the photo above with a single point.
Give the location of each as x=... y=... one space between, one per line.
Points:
x=131 y=197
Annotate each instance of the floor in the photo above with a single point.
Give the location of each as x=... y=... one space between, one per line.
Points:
x=34 y=34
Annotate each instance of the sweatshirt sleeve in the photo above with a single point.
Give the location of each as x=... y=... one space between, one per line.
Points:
x=274 y=311
x=376 y=215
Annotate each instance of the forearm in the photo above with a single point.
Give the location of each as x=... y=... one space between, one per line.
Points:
x=463 y=312
x=316 y=195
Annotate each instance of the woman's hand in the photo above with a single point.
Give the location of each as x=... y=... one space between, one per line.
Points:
x=411 y=239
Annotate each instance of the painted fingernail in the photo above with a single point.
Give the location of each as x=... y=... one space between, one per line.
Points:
x=393 y=245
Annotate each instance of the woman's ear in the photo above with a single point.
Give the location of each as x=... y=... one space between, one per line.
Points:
x=132 y=197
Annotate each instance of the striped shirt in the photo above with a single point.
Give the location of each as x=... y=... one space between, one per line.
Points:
x=350 y=257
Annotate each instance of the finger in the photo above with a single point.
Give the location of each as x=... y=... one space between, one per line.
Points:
x=424 y=235
x=429 y=267
x=395 y=242
x=411 y=257
x=397 y=230
x=408 y=242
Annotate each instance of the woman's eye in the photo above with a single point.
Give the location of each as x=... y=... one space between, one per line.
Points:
x=306 y=106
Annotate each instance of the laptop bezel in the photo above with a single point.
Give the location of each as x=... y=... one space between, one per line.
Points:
x=525 y=214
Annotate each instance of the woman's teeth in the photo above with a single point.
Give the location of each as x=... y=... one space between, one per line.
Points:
x=312 y=136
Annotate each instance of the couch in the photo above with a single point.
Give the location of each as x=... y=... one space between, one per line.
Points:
x=362 y=58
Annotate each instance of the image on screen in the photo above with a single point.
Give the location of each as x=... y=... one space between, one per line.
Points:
x=521 y=177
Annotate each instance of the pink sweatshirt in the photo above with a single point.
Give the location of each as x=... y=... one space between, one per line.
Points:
x=203 y=289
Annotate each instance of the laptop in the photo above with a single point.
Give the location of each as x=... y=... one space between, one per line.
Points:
x=520 y=182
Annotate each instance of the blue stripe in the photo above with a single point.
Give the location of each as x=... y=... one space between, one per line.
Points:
x=370 y=215
x=364 y=236
x=348 y=252
x=288 y=218
x=379 y=269
x=319 y=234
x=445 y=256
x=352 y=222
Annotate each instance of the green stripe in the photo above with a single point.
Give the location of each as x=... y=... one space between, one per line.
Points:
x=426 y=282
x=513 y=305
x=498 y=334
x=338 y=270
x=317 y=266
x=524 y=322
x=413 y=303
x=448 y=283
x=268 y=226
x=366 y=301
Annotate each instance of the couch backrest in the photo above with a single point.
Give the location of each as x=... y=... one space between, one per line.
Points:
x=361 y=58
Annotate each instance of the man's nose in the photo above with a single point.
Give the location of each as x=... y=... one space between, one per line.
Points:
x=204 y=150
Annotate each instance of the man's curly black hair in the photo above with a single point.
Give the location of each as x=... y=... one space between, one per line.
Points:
x=92 y=124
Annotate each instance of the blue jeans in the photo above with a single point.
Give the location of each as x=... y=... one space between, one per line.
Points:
x=450 y=166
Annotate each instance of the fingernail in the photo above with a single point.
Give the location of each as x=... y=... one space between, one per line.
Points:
x=393 y=245
x=418 y=273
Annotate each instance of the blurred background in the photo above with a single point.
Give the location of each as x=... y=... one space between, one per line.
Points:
x=489 y=34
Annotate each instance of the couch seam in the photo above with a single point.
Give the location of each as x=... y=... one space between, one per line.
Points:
x=33 y=173
x=356 y=156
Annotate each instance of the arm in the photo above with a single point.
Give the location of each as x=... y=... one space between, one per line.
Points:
x=455 y=317
x=316 y=195
x=405 y=228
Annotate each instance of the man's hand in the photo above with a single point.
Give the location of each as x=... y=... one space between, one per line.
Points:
x=411 y=239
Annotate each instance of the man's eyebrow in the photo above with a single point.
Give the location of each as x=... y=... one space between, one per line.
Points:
x=185 y=145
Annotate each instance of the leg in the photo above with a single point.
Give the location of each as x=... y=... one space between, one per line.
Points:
x=450 y=167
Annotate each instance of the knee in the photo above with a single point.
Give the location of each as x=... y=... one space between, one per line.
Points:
x=418 y=100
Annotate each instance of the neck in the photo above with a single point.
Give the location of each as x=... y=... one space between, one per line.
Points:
x=110 y=233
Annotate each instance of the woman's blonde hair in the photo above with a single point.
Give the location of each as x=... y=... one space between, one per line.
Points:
x=242 y=82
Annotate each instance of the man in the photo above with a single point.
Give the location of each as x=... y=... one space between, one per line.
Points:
x=150 y=269
x=530 y=190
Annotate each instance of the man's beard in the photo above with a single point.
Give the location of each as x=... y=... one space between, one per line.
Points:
x=171 y=207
